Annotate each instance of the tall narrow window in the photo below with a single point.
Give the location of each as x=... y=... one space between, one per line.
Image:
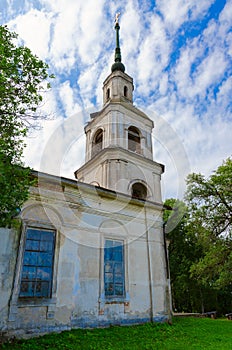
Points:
x=125 y=91
x=108 y=94
x=114 y=280
x=133 y=139
x=37 y=271
x=97 y=142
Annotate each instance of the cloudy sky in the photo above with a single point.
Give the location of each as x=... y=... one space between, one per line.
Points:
x=179 y=53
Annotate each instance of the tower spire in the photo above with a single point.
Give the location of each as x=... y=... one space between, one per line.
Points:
x=118 y=65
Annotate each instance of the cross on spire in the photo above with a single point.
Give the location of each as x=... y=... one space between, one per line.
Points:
x=118 y=65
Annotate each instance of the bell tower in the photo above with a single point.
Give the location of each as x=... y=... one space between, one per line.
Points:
x=119 y=152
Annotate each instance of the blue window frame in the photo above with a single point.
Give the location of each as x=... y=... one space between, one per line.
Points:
x=37 y=270
x=114 y=275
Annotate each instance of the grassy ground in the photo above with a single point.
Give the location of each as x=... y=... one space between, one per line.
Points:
x=184 y=333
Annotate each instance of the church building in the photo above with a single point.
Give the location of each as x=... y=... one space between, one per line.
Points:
x=91 y=251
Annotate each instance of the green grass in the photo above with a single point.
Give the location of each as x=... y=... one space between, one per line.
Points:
x=184 y=333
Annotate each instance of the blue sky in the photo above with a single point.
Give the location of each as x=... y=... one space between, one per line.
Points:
x=179 y=53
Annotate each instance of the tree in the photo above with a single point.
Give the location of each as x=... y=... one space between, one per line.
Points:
x=210 y=205
x=22 y=80
x=184 y=250
x=211 y=199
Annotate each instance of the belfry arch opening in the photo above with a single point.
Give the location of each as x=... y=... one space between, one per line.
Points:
x=134 y=141
x=97 y=142
x=139 y=191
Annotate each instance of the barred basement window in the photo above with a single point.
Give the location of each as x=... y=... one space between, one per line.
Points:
x=114 y=275
x=37 y=270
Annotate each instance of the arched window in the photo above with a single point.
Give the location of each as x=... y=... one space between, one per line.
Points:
x=108 y=94
x=125 y=91
x=134 y=139
x=139 y=191
x=97 y=142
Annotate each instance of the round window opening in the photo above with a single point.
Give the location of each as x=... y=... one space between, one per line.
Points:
x=139 y=191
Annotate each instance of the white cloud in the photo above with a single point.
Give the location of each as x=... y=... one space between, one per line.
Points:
x=153 y=56
x=86 y=82
x=34 y=28
x=224 y=94
x=67 y=96
x=176 y=12
x=133 y=33
x=208 y=72
x=92 y=23
x=202 y=63
x=163 y=84
x=225 y=15
x=64 y=30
